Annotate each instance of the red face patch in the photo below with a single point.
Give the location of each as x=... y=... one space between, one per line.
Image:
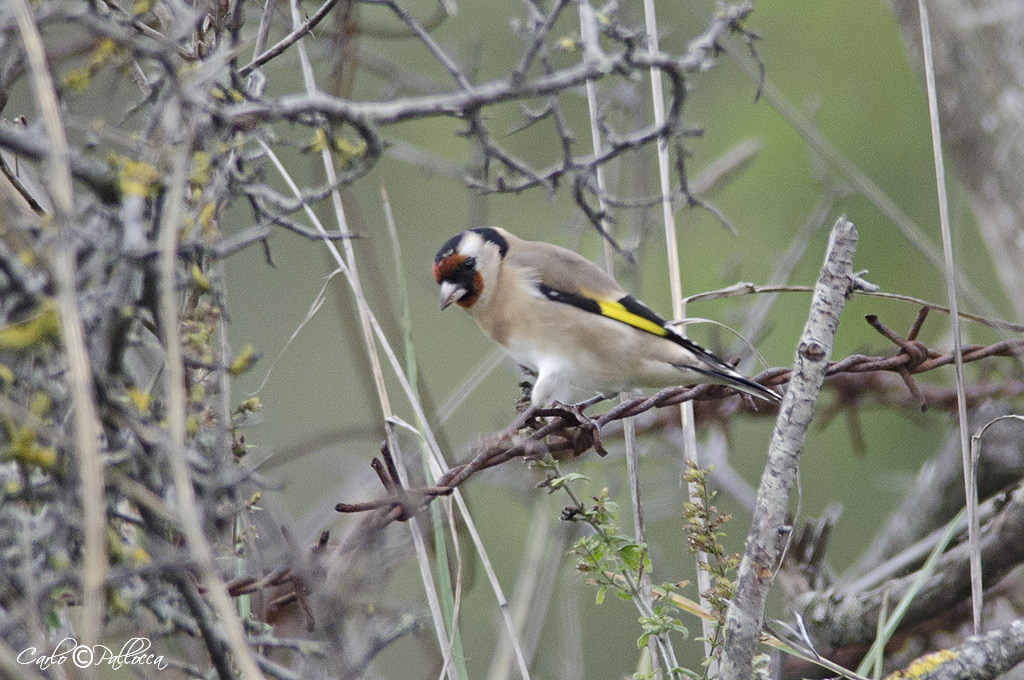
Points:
x=448 y=267
x=453 y=268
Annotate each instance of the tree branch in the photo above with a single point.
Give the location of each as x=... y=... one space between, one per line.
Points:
x=850 y=620
x=981 y=657
x=768 y=527
x=939 y=492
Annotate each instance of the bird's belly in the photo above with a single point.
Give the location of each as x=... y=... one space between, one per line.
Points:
x=574 y=363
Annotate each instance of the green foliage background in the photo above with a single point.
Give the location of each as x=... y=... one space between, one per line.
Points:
x=844 y=64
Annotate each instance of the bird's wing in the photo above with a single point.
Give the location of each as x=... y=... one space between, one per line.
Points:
x=564 y=270
x=562 y=275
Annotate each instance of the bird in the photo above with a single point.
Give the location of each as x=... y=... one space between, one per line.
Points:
x=562 y=317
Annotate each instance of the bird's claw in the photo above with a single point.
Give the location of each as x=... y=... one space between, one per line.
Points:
x=525 y=394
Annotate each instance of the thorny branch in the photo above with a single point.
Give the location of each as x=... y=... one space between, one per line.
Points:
x=562 y=428
x=353 y=129
x=184 y=56
x=188 y=139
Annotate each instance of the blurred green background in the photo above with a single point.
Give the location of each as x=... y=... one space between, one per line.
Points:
x=843 y=64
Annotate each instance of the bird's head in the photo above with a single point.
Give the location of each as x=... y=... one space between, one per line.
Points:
x=466 y=266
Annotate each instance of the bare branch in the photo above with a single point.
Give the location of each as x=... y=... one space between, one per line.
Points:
x=981 y=657
x=768 y=529
x=852 y=619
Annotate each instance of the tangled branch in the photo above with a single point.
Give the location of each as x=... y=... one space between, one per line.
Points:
x=564 y=428
x=353 y=129
x=195 y=134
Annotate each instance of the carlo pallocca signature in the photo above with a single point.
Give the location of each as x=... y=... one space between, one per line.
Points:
x=134 y=652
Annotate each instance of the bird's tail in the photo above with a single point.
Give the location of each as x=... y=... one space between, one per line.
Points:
x=726 y=376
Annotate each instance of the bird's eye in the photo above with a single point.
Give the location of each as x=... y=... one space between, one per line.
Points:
x=469 y=263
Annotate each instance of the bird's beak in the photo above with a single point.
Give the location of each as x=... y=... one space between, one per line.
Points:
x=450 y=292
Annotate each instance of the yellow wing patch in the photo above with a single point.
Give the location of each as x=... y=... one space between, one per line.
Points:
x=615 y=310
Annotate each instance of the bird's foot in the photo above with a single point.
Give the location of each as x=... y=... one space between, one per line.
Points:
x=525 y=395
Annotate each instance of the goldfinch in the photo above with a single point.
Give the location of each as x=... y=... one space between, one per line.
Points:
x=564 y=318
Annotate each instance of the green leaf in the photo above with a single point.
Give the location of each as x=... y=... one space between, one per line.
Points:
x=632 y=556
x=567 y=479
